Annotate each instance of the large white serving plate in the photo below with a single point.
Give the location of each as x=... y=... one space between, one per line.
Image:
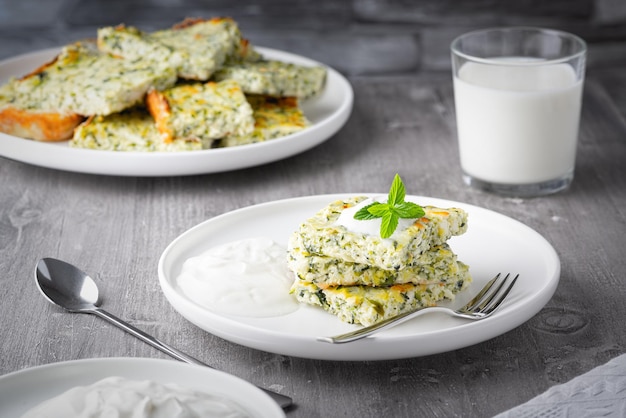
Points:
x=25 y=389
x=327 y=112
x=494 y=243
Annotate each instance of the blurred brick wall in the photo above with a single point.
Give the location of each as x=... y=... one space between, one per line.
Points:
x=358 y=37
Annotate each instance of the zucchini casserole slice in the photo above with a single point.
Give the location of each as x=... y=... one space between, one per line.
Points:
x=130 y=130
x=321 y=235
x=275 y=78
x=204 y=44
x=274 y=117
x=130 y=43
x=81 y=81
x=33 y=119
x=368 y=305
x=436 y=265
x=204 y=111
x=194 y=48
x=88 y=82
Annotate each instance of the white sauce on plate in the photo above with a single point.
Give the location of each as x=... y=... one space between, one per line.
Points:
x=124 y=398
x=369 y=226
x=245 y=278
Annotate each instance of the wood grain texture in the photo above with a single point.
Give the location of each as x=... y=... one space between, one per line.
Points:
x=116 y=229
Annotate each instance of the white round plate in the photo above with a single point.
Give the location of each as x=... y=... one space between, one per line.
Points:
x=327 y=112
x=25 y=389
x=493 y=243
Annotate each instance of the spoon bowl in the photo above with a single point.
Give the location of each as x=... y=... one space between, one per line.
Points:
x=76 y=292
x=69 y=287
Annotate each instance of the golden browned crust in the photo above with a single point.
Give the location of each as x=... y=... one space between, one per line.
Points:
x=41 y=126
x=38 y=125
x=190 y=21
x=159 y=108
x=40 y=69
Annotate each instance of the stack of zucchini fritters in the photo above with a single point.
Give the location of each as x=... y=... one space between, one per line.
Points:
x=364 y=278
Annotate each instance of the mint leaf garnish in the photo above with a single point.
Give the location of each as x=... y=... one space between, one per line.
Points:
x=379 y=210
x=409 y=210
x=364 y=214
x=396 y=192
x=389 y=224
x=390 y=212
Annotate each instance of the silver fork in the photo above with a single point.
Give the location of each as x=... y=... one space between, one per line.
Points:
x=481 y=306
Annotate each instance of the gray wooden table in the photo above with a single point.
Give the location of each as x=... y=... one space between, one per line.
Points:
x=116 y=228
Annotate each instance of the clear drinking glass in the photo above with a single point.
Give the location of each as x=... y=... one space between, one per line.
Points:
x=518 y=96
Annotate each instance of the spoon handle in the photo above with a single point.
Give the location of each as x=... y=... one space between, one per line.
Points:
x=177 y=354
x=282 y=400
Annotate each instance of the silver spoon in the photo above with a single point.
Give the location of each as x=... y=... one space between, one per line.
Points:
x=72 y=289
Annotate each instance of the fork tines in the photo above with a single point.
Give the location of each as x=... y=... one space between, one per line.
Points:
x=493 y=294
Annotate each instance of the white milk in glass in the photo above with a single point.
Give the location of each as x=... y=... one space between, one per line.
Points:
x=517 y=124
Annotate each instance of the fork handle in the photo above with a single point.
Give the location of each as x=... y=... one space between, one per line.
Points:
x=384 y=324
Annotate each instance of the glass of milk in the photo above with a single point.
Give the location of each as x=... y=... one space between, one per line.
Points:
x=518 y=95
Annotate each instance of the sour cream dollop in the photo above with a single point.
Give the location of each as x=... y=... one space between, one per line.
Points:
x=369 y=226
x=125 y=398
x=245 y=278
